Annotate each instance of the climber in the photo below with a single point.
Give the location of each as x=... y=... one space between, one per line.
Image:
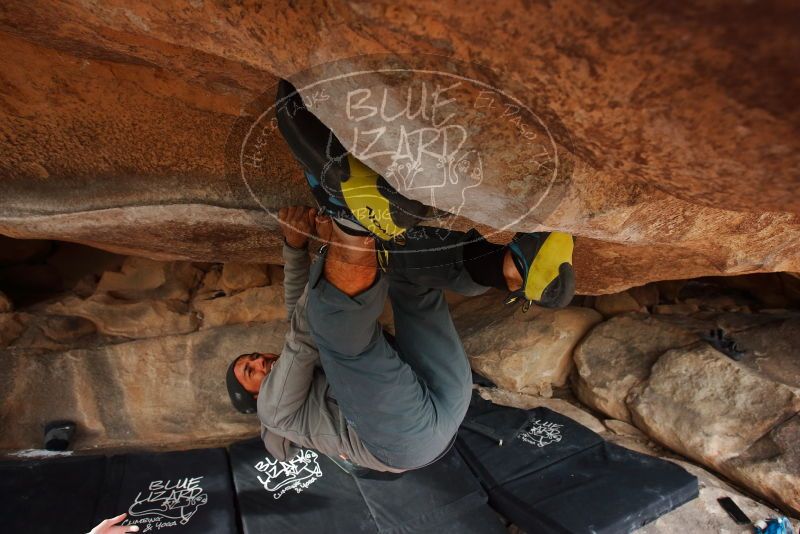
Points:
x=341 y=385
x=344 y=387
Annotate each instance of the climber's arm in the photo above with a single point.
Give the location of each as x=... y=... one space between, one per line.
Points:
x=284 y=407
x=297 y=223
x=295 y=276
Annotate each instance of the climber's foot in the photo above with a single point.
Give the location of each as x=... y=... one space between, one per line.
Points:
x=543 y=265
x=510 y=272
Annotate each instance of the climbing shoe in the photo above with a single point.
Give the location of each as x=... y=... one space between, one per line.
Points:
x=544 y=261
x=344 y=188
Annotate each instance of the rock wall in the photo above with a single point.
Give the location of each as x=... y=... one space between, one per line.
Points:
x=530 y=353
x=677 y=124
x=735 y=412
x=134 y=350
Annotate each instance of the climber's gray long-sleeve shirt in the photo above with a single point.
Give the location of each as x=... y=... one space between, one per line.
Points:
x=295 y=405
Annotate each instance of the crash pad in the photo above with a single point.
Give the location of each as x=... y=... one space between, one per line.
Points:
x=54 y=495
x=309 y=493
x=171 y=492
x=553 y=475
x=441 y=497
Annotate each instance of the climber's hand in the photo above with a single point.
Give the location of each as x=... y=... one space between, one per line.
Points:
x=297 y=224
x=109 y=526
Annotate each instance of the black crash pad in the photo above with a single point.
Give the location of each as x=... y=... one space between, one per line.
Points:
x=55 y=495
x=312 y=494
x=307 y=494
x=442 y=497
x=172 y=492
x=553 y=475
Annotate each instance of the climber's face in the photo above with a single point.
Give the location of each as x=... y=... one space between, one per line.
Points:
x=252 y=369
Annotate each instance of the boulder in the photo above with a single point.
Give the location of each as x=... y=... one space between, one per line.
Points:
x=137 y=274
x=76 y=263
x=736 y=417
x=683 y=308
x=772 y=349
x=5 y=303
x=621 y=428
x=254 y=305
x=670 y=290
x=731 y=323
x=617 y=355
x=66 y=329
x=524 y=352
x=129 y=319
x=46 y=333
x=129 y=394
x=771 y=466
x=210 y=287
x=700 y=153
x=616 y=303
x=647 y=295
x=10 y=329
x=275 y=273
x=31 y=336
x=142 y=278
x=704 y=405
x=770 y=290
x=239 y=276
x=641 y=444
x=722 y=303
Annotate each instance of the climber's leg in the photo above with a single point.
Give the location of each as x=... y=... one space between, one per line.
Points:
x=538 y=264
x=444 y=259
x=428 y=342
x=405 y=407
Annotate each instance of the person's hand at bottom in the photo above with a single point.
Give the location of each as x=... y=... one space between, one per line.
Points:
x=110 y=526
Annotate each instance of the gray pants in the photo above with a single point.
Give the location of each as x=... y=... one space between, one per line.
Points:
x=404 y=400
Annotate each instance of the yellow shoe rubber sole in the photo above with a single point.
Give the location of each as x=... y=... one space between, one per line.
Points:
x=555 y=250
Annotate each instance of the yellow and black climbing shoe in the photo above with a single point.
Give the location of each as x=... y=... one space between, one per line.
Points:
x=343 y=186
x=544 y=260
